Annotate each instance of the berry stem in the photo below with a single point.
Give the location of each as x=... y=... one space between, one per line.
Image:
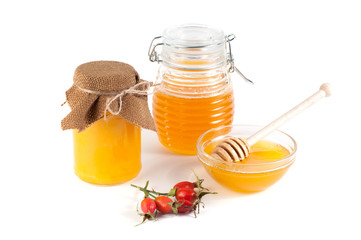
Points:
x=151 y=192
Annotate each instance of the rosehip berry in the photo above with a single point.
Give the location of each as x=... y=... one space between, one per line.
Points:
x=186 y=194
x=185 y=184
x=185 y=207
x=163 y=204
x=148 y=205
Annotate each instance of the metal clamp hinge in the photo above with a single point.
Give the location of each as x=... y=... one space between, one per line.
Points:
x=230 y=59
x=152 y=53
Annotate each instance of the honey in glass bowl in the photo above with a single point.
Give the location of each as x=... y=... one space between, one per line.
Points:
x=268 y=161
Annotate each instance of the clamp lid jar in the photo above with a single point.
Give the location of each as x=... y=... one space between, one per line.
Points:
x=194 y=92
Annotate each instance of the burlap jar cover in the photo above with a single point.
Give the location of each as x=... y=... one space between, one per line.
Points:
x=104 y=87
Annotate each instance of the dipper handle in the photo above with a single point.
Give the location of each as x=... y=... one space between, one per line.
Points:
x=325 y=91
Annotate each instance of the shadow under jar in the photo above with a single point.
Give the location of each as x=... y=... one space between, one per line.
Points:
x=194 y=91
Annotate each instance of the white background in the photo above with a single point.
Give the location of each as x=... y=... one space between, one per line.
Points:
x=288 y=48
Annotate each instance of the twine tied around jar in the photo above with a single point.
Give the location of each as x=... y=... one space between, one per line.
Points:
x=120 y=94
x=103 y=87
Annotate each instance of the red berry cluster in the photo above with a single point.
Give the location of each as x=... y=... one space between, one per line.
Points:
x=182 y=198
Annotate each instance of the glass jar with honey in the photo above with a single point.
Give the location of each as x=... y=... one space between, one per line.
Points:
x=109 y=107
x=194 y=91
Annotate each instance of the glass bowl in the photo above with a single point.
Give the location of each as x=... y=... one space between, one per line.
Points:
x=245 y=177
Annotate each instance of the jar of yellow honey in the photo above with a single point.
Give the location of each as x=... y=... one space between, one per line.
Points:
x=109 y=106
x=194 y=91
x=108 y=152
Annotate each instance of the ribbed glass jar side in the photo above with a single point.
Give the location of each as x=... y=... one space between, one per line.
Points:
x=189 y=102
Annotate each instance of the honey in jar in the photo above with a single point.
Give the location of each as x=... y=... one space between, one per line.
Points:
x=108 y=152
x=194 y=92
x=180 y=120
x=109 y=106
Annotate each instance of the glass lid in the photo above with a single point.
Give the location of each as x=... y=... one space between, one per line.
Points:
x=193 y=36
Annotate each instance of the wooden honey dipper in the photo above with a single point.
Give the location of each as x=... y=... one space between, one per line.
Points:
x=236 y=149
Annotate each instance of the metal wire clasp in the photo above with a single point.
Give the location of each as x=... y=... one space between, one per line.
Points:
x=152 y=53
x=230 y=59
x=155 y=57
